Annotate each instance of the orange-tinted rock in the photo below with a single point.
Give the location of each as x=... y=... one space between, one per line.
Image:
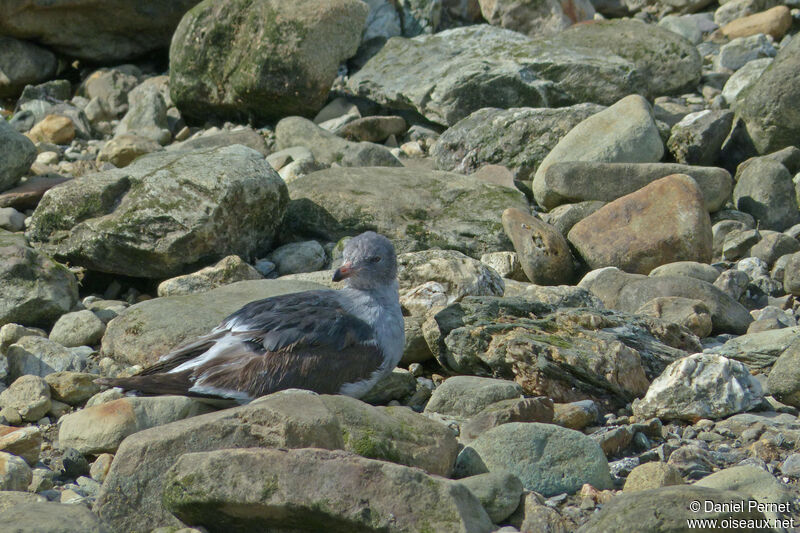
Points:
x=661 y=223
x=54 y=129
x=775 y=22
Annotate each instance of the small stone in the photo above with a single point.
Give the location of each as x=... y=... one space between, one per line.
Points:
x=507 y=264
x=100 y=467
x=229 y=270
x=11 y=219
x=74 y=463
x=72 y=388
x=791 y=465
x=124 y=149
x=774 y=22
x=373 y=128
x=575 y=415
x=464 y=396
x=297 y=257
x=80 y=328
x=54 y=129
x=737 y=53
x=539 y=409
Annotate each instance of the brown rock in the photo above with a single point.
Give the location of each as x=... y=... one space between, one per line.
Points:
x=775 y=22
x=373 y=129
x=660 y=223
x=72 y=388
x=29 y=193
x=575 y=415
x=542 y=250
x=497 y=174
x=23 y=442
x=56 y=129
x=122 y=150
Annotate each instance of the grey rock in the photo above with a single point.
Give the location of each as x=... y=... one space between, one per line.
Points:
x=652 y=475
x=765 y=190
x=296 y=257
x=143 y=332
x=373 y=128
x=547 y=458
x=114 y=31
x=11 y=219
x=229 y=270
x=517 y=138
x=416 y=209
x=606 y=137
x=23 y=63
x=791 y=466
x=579 y=181
x=234 y=207
x=755 y=482
x=698 y=137
x=784 y=379
x=361 y=495
x=146 y=116
x=398 y=385
x=668 y=63
x=72 y=388
x=737 y=53
x=17 y=156
x=687 y=26
x=565 y=216
x=744 y=78
x=53 y=518
x=640 y=508
x=759 y=351
x=28 y=397
x=40 y=356
x=770 y=118
x=262 y=60
x=80 y=328
x=700 y=386
x=107 y=90
x=328 y=148
x=15 y=474
x=245 y=136
x=539 y=409
x=498 y=492
x=506 y=264
x=444 y=77
x=628 y=292
x=416 y=349
x=34 y=289
x=131 y=495
x=557 y=296
x=772 y=246
x=791 y=277
x=466 y=396
x=691 y=314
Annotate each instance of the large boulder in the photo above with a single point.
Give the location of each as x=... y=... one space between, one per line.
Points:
x=34 y=289
x=16 y=157
x=416 y=209
x=261 y=60
x=130 y=499
x=320 y=490
x=768 y=105
x=626 y=132
x=147 y=330
x=547 y=458
x=581 y=181
x=660 y=223
x=448 y=75
x=565 y=354
x=669 y=63
x=628 y=292
x=105 y=32
x=518 y=138
x=164 y=213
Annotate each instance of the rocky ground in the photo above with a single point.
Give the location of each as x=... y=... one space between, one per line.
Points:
x=595 y=205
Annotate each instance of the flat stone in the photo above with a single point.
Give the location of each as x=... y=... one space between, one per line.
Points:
x=53 y=518
x=465 y=396
x=123 y=149
x=652 y=476
x=775 y=22
x=692 y=314
x=539 y=409
x=228 y=270
x=606 y=137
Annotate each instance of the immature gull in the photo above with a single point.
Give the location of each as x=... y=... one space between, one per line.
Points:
x=328 y=341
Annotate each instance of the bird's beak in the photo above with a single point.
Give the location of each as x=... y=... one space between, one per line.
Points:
x=343 y=271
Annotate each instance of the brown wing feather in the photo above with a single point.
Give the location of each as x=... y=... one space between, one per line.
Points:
x=320 y=369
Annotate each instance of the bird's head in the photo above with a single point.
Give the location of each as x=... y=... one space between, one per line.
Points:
x=369 y=262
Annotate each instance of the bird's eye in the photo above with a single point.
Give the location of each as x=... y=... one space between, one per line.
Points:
x=374 y=259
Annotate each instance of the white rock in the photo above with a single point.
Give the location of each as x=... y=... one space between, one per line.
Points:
x=700 y=386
